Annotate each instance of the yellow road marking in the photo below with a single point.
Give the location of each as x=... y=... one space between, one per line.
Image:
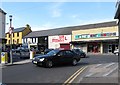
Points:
x=69 y=80
x=77 y=74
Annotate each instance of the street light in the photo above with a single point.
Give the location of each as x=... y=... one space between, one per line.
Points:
x=10 y=31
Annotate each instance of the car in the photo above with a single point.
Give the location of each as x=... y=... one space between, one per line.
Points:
x=116 y=52
x=80 y=52
x=55 y=57
x=47 y=50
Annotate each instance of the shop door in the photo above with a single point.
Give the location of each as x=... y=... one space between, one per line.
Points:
x=65 y=46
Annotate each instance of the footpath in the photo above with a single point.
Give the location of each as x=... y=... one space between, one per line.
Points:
x=16 y=63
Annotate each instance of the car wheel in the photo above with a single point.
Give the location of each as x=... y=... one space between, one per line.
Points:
x=49 y=64
x=82 y=55
x=74 y=62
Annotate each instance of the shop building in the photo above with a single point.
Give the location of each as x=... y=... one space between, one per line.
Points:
x=59 y=41
x=96 y=38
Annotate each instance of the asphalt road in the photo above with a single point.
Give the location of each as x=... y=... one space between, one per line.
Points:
x=29 y=73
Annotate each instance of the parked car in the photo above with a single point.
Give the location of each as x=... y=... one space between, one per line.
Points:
x=116 y=52
x=56 y=57
x=80 y=52
x=25 y=53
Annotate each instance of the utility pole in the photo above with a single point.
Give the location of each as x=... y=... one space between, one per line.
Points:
x=10 y=32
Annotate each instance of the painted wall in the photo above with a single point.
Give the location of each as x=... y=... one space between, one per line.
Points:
x=55 y=41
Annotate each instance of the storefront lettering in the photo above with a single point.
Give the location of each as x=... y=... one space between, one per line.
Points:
x=61 y=38
x=84 y=36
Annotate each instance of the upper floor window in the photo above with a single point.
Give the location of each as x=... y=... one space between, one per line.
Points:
x=18 y=34
x=9 y=35
x=13 y=34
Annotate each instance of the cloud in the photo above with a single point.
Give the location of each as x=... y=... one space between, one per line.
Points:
x=56 y=10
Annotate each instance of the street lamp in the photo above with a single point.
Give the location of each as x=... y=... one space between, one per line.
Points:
x=10 y=31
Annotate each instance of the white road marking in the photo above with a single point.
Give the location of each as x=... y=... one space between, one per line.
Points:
x=90 y=74
x=109 y=65
x=98 y=65
x=110 y=71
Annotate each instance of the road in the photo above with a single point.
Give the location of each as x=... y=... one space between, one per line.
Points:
x=29 y=73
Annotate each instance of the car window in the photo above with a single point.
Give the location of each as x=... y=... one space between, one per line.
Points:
x=69 y=53
x=53 y=52
x=62 y=53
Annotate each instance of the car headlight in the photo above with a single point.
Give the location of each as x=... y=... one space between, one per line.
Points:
x=33 y=59
x=41 y=59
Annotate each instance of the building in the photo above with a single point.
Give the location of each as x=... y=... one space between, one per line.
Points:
x=117 y=16
x=2 y=28
x=96 y=38
x=69 y=37
x=17 y=36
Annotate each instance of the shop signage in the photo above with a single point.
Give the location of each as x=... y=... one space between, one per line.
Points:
x=99 y=35
x=60 y=38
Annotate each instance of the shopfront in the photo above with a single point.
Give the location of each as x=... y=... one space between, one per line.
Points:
x=59 y=41
x=96 y=40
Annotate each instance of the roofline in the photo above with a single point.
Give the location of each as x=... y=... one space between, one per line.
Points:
x=2 y=11
x=77 y=26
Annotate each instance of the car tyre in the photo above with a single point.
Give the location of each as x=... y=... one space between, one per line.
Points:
x=83 y=55
x=49 y=64
x=74 y=62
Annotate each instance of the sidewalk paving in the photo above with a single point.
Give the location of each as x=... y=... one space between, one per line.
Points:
x=17 y=63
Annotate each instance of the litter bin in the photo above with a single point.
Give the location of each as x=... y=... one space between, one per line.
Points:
x=32 y=53
x=4 y=57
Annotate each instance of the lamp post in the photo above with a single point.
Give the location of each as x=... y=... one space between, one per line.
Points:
x=10 y=31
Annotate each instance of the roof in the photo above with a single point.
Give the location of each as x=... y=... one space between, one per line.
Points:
x=68 y=30
x=18 y=29
x=2 y=11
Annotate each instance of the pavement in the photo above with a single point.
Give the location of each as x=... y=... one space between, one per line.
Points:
x=16 y=63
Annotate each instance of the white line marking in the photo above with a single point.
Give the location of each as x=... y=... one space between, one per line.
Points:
x=98 y=65
x=90 y=74
x=110 y=71
x=109 y=65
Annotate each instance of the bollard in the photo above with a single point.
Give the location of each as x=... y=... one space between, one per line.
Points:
x=31 y=54
x=4 y=57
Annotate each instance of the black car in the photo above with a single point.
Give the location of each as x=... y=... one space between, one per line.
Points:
x=79 y=52
x=47 y=50
x=56 y=57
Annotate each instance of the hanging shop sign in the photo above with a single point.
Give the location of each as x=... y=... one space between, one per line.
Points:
x=99 y=35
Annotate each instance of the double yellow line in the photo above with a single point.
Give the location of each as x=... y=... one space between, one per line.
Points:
x=70 y=80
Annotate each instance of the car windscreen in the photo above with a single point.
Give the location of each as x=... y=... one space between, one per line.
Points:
x=53 y=52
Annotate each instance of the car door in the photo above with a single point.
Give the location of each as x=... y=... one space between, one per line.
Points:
x=69 y=56
x=61 y=57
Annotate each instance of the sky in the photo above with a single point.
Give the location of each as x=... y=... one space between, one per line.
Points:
x=50 y=15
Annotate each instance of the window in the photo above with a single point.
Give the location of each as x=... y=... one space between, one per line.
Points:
x=17 y=41
x=18 y=34
x=13 y=41
x=13 y=34
x=9 y=35
x=9 y=42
